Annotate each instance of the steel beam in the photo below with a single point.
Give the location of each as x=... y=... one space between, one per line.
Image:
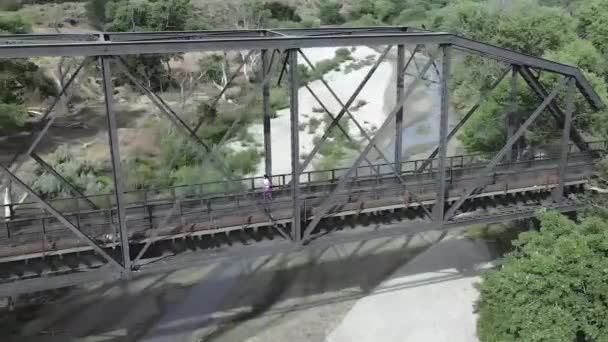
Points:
x=510 y=122
x=37 y=137
x=342 y=112
x=563 y=163
x=443 y=132
x=318 y=215
x=399 y=117
x=464 y=119
x=339 y=101
x=295 y=144
x=344 y=132
x=557 y=113
x=267 y=115
x=506 y=148
x=117 y=174
x=154 y=237
x=51 y=210
x=189 y=133
x=73 y=189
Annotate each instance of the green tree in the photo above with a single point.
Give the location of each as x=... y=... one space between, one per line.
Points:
x=329 y=12
x=96 y=13
x=160 y=15
x=552 y=287
x=593 y=23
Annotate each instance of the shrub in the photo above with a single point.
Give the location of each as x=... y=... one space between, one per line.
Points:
x=279 y=99
x=10 y=5
x=282 y=11
x=14 y=24
x=552 y=287
x=329 y=12
x=343 y=55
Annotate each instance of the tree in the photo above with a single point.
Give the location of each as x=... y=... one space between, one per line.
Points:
x=96 y=13
x=329 y=12
x=552 y=287
x=593 y=23
x=160 y=15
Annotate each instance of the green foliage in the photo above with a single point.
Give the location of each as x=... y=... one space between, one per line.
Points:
x=244 y=162
x=14 y=24
x=89 y=177
x=281 y=11
x=593 y=23
x=159 y=15
x=10 y=5
x=329 y=12
x=96 y=12
x=552 y=288
x=12 y=117
x=279 y=99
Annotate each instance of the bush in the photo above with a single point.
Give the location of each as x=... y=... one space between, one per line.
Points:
x=96 y=13
x=282 y=11
x=14 y=24
x=10 y=5
x=279 y=99
x=244 y=162
x=12 y=117
x=343 y=55
x=329 y=12
x=552 y=288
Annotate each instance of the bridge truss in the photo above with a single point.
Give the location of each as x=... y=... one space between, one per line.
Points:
x=301 y=229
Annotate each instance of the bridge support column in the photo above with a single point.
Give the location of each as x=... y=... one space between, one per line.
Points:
x=399 y=117
x=438 y=211
x=511 y=119
x=267 y=114
x=115 y=159
x=558 y=195
x=295 y=144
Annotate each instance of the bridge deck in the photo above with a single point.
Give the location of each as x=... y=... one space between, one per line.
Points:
x=39 y=234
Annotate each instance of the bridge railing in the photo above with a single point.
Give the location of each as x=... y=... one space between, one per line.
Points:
x=238 y=210
x=253 y=185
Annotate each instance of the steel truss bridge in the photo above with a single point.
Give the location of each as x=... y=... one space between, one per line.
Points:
x=49 y=244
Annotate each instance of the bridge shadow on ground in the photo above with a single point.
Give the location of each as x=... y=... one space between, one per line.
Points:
x=224 y=300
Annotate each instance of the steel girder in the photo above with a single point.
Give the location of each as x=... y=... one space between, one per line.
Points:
x=189 y=133
x=318 y=215
x=173 y=42
x=506 y=148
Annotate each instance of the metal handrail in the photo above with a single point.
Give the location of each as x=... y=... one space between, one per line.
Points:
x=147 y=195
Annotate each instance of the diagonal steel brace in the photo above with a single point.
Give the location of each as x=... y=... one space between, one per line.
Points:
x=346 y=135
x=337 y=98
x=464 y=119
x=557 y=113
x=389 y=119
x=178 y=122
x=60 y=217
x=505 y=149
x=362 y=131
x=49 y=112
x=344 y=110
x=65 y=182
x=154 y=237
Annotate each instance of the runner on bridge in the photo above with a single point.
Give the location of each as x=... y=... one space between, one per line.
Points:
x=267 y=189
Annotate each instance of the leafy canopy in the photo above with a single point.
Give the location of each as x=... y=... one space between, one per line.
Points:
x=552 y=288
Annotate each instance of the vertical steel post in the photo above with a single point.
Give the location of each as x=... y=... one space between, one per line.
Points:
x=443 y=132
x=295 y=144
x=115 y=155
x=399 y=117
x=563 y=163
x=267 y=114
x=511 y=122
